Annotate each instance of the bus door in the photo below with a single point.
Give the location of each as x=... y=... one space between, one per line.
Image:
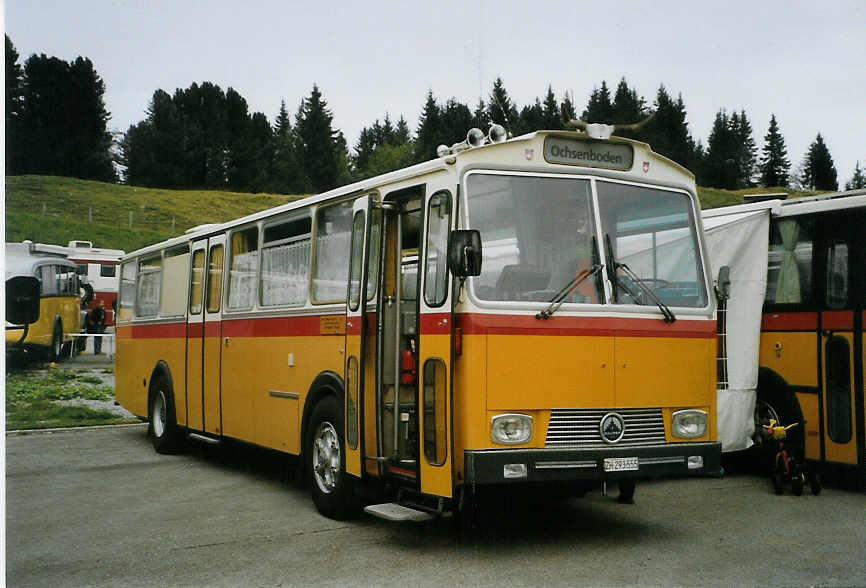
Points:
x=434 y=349
x=842 y=264
x=195 y=338
x=360 y=364
x=397 y=419
x=212 y=336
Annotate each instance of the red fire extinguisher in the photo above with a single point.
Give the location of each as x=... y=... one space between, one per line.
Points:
x=407 y=365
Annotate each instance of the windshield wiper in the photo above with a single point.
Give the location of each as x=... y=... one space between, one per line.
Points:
x=559 y=297
x=613 y=266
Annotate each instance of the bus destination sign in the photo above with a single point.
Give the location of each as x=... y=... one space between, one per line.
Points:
x=588 y=153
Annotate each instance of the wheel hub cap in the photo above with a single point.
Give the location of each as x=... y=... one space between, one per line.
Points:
x=326 y=457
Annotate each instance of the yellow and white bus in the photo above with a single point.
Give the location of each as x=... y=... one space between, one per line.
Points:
x=59 y=310
x=795 y=328
x=504 y=314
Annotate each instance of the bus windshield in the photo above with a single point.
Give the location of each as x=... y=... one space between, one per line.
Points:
x=539 y=233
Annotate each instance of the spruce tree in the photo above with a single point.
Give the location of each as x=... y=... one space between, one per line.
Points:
x=774 y=165
x=480 y=118
x=551 y=118
x=668 y=133
x=720 y=164
x=599 y=108
x=322 y=150
x=566 y=109
x=456 y=120
x=285 y=175
x=402 y=135
x=627 y=106
x=746 y=151
x=819 y=172
x=858 y=180
x=14 y=74
x=429 y=135
x=532 y=117
x=502 y=110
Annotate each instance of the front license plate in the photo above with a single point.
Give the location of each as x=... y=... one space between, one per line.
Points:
x=621 y=464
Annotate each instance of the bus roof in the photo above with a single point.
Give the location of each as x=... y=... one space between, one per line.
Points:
x=23 y=258
x=525 y=152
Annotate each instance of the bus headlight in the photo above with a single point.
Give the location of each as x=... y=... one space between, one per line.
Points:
x=511 y=429
x=689 y=424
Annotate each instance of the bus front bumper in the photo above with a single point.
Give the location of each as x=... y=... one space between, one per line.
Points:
x=509 y=466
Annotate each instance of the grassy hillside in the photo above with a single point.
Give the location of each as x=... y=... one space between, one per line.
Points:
x=49 y=209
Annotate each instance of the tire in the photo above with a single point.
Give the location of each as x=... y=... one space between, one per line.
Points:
x=779 y=476
x=163 y=427
x=57 y=342
x=815 y=485
x=797 y=483
x=325 y=456
x=626 y=491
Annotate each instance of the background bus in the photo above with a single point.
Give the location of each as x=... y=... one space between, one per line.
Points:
x=465 y=323
x=795 y=328
x=59 y=313
x=100 y=267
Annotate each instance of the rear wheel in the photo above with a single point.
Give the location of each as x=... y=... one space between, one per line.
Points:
x=57 y=342
x=325 y=453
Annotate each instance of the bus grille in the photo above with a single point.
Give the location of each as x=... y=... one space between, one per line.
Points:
x=579 y=428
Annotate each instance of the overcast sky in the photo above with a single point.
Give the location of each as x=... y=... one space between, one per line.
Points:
x=803 y=61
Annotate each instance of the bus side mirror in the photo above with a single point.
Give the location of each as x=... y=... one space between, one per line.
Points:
x=22 y=300
x=464 y=253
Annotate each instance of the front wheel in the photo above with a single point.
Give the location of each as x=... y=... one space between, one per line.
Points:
x=332 y=490
x=163 y=425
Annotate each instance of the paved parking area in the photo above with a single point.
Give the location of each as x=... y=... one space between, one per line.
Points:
x=98 y=507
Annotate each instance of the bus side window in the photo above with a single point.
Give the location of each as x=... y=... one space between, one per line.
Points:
x=175 y=277
x=126 y=304
x=215 y=278
x=49 y=279
x=789 y=263
x=837 y=275
x=195 y=295
x=148 y=286
x=242 y=272
x=333 y=234
x=107 y=270
x=286 y=262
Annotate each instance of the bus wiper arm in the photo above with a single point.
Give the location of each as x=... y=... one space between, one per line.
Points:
x=668 y=314
x=559 y=297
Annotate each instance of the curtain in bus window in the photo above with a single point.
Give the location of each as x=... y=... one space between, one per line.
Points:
x=175 y=277
x=788 y=283
x=149 y=281
x=333 y=237
x=285 y=270
x=242 y=274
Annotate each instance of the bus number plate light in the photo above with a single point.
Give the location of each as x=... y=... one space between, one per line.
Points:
x=514 y=470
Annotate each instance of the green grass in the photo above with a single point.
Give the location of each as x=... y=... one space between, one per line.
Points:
x=100 y=212
x=715 y=197
x=32 y=400
x=44 y=414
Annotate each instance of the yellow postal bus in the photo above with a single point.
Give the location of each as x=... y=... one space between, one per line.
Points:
x=504 y=314
x=59 y=311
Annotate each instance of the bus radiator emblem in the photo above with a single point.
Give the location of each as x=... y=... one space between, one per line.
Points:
x=611 y=427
